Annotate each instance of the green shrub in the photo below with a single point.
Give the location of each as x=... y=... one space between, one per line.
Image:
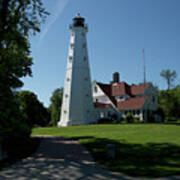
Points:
x=171 y=119
x=14 y=129
x=136 y=119
x=105 y=121
x=129 y=117
x=15 y=137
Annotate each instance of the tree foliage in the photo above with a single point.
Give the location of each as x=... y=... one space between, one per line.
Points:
x=18 y=20
x=55 y=106
x=33 y=111
x=169 y=76
x=169 y=102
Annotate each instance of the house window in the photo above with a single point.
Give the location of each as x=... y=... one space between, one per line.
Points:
x=86 y=79
x=85 y=58
x=126 y=111
x=96 y=100
x=153 y=99
x=88 y=111
x=95 y=89
x=87 y=95
x=137 y=112
x=109 y=113
x=101 y=114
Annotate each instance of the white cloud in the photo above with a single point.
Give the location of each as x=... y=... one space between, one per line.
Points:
x=58 y=9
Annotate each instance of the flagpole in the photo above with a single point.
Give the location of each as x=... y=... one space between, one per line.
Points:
x=144 y=74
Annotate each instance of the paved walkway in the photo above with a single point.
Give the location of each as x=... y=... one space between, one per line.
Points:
x=61 y=159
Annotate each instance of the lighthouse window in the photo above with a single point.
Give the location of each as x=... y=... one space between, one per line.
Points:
x=84 y=45
x=70 y=58
x=71 y=45
x=65 y=111
x=66 y=95
x=68 y=79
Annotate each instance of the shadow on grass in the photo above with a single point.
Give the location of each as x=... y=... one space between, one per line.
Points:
x=150 y=160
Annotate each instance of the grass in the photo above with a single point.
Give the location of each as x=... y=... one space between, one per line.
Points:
x=149 y=150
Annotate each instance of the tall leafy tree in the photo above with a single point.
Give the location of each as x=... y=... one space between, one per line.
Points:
x=169 y=76
x=19 y=19
x=169 y=102
x=55 y=106
x=35 y=114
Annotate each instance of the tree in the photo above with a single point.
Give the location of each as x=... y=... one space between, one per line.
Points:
x=169 y=102
x=55 y=106
x=169 y=76
x=33 y=111
x=18 y=20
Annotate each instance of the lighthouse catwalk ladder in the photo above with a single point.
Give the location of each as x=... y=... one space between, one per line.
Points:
x=77 y=107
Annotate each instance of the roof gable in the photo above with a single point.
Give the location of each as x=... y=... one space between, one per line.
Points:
x=106 y=88
x=122 y=88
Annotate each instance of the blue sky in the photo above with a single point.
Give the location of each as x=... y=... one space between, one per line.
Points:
x=118 y=30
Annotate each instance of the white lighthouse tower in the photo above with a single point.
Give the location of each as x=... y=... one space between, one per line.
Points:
x=77 y=106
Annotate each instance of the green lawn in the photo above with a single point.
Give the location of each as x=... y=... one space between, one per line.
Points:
x=141 y=149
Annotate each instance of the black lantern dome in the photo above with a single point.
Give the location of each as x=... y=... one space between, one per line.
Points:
x=78 y=21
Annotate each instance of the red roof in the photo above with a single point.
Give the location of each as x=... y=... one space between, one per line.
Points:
x=106 y=88
x=132 y=103
x=122 y=88
x=139 y=89
x=101 y=105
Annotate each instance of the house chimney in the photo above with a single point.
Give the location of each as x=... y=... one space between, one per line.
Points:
x=116 y=77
